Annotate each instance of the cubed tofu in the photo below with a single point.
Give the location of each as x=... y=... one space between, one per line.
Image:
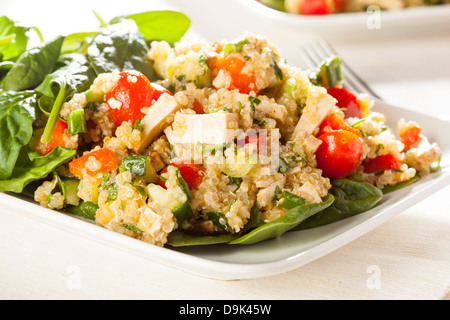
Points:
x=272 y=110
x=316 y=109
x=207 y=129
x=157 y=119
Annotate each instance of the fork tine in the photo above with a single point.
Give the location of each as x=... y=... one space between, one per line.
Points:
x=349 y=71
x=310 y=61
x=314 y=54
x=350 y=82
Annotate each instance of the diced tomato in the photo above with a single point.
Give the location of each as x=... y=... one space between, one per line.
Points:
x=57 y=138
x=130 y=95
x=346 y=101
x=259 y=140
x=339 y=5
x=233 y=64
x=339 y=154
x=334 y=122
x=197 y=107
x=409 y=135
x=382 y=163
x=314 y=7
x=192 y=173
x=105 y=156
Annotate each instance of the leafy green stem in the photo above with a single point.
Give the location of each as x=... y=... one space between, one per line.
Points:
x=51 y=122
x=103 y=24
x=39 y=33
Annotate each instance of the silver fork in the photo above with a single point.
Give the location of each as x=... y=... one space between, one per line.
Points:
x=315 y=53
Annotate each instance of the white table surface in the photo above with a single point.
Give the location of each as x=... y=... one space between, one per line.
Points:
x=409 y=254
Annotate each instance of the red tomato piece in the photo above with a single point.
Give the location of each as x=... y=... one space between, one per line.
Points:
x=105 y=156
x=382 y=163
x=132 y=92
x=314 y=7
x=192 y=173
x=259 y=140
x=334 y=122
x=347 y=101
x=57 y=139
x=197 y=107
x=233 y=65
x=339 y=154
x=410 y=136
x=339 y=5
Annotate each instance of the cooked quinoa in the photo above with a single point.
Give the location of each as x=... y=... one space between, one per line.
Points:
x=246 y=121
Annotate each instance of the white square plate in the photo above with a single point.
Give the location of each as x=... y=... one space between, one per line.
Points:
x=291 y=251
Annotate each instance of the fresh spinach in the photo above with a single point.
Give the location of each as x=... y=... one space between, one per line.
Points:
x=13 y=39
x=179 y=238
x=32 y=66
x=17 y=113
x=289 y=221
x=120 y=47
x=32 y=166
x=401 y=185
x=351 y=198
x=290 y=200
x=159 y=25
x=85 y=209
x=75 y=75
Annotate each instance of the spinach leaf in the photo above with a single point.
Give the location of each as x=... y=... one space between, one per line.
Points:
x=401 y=185
x=351 y=198
x=85 y=209
x=120 y=47
x=33 y=167
x=159 y=25
x=289 y=221
x=290 y=200
x=179 y=238
x=17 y=112
x=32 y=66
x=77 y=42
x=254 y=221
x=75 y=75
x=13 y=39
x=74 y=70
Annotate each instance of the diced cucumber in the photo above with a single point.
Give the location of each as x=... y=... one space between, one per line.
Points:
x=181 y=210
x=141 y=167
x=94 y=97
x=238 y=169
x=70 y=191
x=162 y=197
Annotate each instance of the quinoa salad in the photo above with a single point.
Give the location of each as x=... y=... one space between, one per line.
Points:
x=187 y=142
x=325 y=7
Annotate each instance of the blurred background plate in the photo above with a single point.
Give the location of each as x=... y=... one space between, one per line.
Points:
x=418 y=20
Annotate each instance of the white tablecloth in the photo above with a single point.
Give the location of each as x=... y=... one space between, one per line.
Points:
x=408 y=257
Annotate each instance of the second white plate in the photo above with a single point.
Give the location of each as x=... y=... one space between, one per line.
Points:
x=373 y=23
